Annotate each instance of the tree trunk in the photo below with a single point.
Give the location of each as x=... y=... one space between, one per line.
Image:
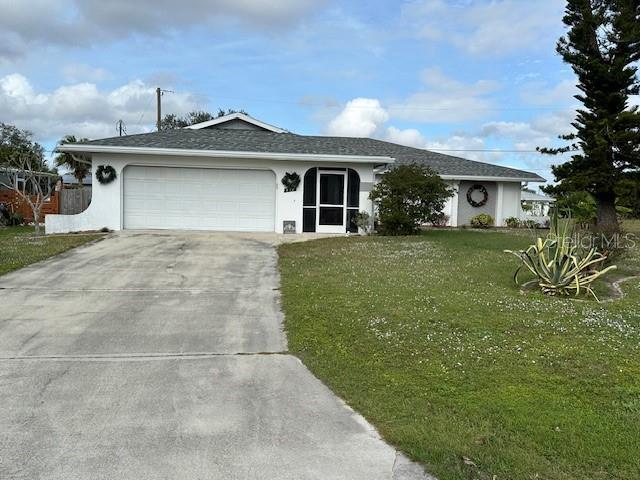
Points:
x=607 y=218
x=36 y=220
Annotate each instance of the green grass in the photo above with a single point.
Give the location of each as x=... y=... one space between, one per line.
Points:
x=19 y=247
x=430 y=340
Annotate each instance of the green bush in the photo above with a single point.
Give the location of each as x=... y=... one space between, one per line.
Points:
x=363 y=221
x=409 y=196
x=512 y=222
x=15 y=219
x=484 y=220
x=530 y=224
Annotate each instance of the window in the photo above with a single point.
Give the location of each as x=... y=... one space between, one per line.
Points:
x=331 y=215
x=331 y=189
x=309 y=193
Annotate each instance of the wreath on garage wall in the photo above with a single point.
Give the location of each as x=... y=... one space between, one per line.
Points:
x=106 y=174
x=485 y=195
x=291 y=181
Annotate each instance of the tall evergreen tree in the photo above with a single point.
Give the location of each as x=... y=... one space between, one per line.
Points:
x=602 y=46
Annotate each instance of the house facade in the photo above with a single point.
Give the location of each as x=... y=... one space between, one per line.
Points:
x=236 y=173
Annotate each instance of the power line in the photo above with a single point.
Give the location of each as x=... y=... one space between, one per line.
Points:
x=303 y=103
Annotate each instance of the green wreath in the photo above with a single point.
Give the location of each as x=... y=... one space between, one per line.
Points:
x=106 y=174
x=291 y=181
x=485 y=195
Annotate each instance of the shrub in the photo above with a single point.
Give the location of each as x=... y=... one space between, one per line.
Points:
x=407 y=197
x=441 y=221
x=529 y=223
x=560 y=264
x=484 y=220
x=363 y=221
x=512 y=222
x=14 y=219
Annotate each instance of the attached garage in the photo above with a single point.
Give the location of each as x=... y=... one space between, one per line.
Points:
x=198 y=199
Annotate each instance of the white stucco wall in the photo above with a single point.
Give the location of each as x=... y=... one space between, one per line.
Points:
x=451 y=206
x=106 y=209
x=504 y=202
x=511 y=195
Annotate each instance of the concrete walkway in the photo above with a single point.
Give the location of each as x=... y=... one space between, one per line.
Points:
x=161 y=355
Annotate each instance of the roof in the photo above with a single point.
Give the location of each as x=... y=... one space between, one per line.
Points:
x=208 y=141
x=536 y=197
x=70 y=179
x=230 y=117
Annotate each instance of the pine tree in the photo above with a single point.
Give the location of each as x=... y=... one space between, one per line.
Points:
x=602 y=45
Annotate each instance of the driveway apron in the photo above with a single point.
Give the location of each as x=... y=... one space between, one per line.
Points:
x=161 y=355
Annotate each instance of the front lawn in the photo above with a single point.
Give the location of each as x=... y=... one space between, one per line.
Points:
x=19 y=247
x=429 y=339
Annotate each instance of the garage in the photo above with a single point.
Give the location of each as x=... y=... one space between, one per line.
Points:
x=198 y=199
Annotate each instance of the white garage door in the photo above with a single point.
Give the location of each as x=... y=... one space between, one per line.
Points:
x=199 y=199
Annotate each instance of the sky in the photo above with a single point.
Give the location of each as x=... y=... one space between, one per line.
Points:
x=463 y=77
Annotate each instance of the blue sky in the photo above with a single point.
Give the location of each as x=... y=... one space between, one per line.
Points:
x=446 y=75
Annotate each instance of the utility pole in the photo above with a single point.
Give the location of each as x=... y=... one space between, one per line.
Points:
x=121 y=127
x=159 y=107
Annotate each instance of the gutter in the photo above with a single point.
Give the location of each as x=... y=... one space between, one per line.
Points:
x=493 y=179
x=475 y=178
x=87 y=148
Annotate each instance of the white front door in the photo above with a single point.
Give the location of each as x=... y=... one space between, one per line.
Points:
x=199 y=199
x=332 y=192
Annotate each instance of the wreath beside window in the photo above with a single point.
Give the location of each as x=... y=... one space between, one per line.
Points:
x=477 y=203
x=291 y=181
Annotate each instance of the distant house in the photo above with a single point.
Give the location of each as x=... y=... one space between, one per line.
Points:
x=228 y=174
x=535 y=206
x=69 y=180
x=13 y=201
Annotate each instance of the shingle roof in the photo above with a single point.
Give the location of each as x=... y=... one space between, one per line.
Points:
x=269 y=142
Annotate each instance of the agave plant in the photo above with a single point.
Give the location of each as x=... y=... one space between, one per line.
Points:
x=561 y=266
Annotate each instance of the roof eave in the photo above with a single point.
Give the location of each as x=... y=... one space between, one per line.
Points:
x=489 y=178
x=88 y=148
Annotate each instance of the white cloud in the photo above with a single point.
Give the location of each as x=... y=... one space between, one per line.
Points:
x=445 y=100
x=541 y=93
x=25 y=24
x=77 y=72
x=486 y=28
x=84 y=110
x=410 y=137
x=457 y=144
x=367 y=117
x=361 y=117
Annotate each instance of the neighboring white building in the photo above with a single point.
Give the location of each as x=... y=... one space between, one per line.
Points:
x=535 y=207
x=227 y=174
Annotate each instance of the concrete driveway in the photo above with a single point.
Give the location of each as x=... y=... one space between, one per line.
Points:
x=162 y=356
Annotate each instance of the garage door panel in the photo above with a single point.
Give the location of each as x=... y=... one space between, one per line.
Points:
x=201 y=199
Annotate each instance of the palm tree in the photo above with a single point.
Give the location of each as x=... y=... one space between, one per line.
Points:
x=78 y=163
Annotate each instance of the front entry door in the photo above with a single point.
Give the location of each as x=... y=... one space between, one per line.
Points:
x=332 y=188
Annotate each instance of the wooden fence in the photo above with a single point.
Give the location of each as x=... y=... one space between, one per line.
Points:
x=74 y=200
x=16 y=204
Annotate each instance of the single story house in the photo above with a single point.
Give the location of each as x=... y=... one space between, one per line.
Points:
x=536 y=206
x=237 y=173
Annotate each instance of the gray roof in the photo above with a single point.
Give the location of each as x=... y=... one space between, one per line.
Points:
x=535 y=197
x=270 y=142
x=69 y=179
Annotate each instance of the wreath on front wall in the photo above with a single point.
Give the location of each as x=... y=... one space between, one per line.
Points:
x=291 y=181
x=485 y=196
x=106 y=174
